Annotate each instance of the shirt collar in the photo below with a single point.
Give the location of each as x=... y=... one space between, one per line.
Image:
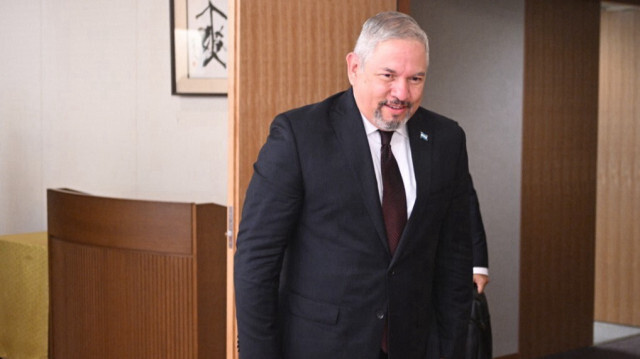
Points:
x=370 y=128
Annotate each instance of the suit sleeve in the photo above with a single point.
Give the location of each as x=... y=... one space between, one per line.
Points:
x=478 y=236
x=270 y=211
x=453 y=280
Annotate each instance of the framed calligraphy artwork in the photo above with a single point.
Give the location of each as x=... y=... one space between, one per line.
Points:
x=199 y=42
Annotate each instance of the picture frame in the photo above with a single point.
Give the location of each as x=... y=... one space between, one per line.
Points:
x=199 y=47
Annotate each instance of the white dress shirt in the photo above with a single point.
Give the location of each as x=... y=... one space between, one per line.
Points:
x=402 y=152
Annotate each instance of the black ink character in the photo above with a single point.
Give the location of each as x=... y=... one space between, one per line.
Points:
x=212 y=42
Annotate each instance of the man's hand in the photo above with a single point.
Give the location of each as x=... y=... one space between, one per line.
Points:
x=481 y=281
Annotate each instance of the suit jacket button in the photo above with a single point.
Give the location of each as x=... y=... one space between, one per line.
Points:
x=380 y=314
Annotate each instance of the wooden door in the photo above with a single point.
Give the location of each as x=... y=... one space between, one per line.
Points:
x=285 y=54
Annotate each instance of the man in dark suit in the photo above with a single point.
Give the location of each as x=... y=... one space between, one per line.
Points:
x=319 y=270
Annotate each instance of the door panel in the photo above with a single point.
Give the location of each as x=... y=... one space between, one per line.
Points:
x=285 y=54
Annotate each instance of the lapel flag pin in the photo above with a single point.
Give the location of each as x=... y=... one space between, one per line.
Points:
x=424 y=136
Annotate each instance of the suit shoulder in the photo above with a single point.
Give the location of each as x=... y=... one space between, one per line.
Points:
x=436 y=121
x=314 y=110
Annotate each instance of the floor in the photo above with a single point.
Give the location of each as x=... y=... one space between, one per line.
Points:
x=611 y=342
x=606 y=332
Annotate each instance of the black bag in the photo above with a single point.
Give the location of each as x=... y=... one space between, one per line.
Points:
x=479 y=340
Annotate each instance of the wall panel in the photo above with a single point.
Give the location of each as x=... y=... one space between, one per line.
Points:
x=617 y=286
x=476 y=78
x=558 y=175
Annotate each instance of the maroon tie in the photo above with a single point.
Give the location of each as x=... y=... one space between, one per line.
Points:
x=394 y=206
x=394 y=201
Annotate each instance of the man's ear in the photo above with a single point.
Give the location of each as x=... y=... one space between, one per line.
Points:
x=353 y=65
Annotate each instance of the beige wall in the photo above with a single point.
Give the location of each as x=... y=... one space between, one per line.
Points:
x=476 y=78
x=85 y=102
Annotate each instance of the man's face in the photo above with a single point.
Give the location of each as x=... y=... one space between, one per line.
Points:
x=388 y=88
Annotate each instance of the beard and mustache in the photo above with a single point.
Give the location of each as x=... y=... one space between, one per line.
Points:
x=396 y=120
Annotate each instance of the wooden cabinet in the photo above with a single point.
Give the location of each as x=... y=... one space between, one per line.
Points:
x=135 y=279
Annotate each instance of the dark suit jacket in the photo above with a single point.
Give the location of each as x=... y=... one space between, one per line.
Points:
x=313 y=274
x=478 y=235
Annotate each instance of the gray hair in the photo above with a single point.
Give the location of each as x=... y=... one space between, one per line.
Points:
x=386 y=26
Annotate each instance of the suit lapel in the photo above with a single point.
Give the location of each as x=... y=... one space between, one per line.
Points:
x=420 y=142
x=347 y=123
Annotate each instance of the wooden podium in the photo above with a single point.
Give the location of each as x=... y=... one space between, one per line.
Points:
x=135 y=279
